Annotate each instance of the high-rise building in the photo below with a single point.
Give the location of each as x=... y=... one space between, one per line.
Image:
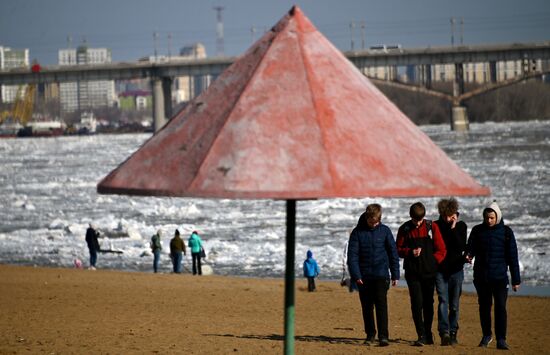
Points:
x=84 y=95
x=11 y=59
x=188 y=87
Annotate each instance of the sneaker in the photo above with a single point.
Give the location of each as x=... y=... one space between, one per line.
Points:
x=445 y=339
x=369 y=340
x=429 y=340
x=420 y=342
x=384 y=342
x=501 y=344
x=454 y=340
x=91 y=268
x=485 y=340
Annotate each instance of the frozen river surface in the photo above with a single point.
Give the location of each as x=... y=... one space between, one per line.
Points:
x=48 y=196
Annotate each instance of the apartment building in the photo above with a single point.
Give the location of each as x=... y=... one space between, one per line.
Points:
x=11 y=59
x=84 y=95
x=188 y=87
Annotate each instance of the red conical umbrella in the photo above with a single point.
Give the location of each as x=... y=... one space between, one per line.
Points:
x=291 y=119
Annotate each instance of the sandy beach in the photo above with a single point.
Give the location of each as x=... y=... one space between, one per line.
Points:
x=71 y=311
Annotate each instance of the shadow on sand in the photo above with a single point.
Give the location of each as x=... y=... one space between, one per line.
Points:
x=309 y=338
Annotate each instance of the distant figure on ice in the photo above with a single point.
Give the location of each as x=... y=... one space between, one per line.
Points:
x=195 y=244
x=93 y=244
x=493 y=245
x=156 y=248
x=373 y=262
x=177 y=248
x=311 y=271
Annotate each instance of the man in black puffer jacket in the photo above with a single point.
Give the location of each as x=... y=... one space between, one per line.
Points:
x=371 y=253
x=493 y=245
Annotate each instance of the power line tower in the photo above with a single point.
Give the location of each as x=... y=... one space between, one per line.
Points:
x=219 y=31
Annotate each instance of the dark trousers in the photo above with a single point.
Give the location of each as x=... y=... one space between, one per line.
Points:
x=421 y=292
x=93 y=257
x=486 y=292
x=196 y=263
x=311 y=284
x=373 y=294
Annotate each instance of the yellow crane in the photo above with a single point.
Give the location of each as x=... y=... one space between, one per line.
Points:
x=23 y=105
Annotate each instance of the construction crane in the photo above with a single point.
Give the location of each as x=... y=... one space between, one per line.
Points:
x=22 y=106
x=24 y=102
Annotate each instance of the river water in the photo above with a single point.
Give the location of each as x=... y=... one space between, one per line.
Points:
x=48 y=196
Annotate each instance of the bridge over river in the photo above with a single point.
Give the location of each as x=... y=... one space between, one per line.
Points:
x=534 y=58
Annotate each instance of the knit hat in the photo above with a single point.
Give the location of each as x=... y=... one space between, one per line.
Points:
x=309 y=254
x=494 y=206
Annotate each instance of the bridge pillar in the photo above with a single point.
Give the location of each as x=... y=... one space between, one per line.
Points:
x=159 y=118
x=167 y=95
x=493 y=71
x=428 y=76
x=459 y=119
x=459 y=114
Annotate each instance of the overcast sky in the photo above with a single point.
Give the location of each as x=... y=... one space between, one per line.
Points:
x=128 y=26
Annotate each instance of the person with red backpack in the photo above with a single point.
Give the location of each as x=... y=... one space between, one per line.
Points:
x=420 y=244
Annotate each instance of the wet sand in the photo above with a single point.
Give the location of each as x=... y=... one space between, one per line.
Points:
x=70 y=311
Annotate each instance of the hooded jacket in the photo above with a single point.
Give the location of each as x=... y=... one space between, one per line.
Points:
x=195 y=243
x=372 y=253
x=495 y=251
x=311 y=269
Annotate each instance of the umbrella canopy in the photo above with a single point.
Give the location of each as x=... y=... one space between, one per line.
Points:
x=291 y=119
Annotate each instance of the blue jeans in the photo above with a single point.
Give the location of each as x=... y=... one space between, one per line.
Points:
x=93 y=257
x=449 y=289
x=176 y=260
x=156 y=259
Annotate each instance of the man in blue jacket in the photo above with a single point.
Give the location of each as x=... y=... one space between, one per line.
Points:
x=371 y=253
x=493 y=245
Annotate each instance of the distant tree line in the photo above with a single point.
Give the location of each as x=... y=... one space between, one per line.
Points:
x=519 y=102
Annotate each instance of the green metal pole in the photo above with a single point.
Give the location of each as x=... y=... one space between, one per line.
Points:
x=289 y=275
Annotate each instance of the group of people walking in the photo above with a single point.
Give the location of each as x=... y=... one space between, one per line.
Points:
x=434 y=254
x=178 y=250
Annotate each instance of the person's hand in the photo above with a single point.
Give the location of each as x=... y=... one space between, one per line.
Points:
x=359 y=282
x=394 y=282
x=515 y=288
x=416 y=252
x=454 y=219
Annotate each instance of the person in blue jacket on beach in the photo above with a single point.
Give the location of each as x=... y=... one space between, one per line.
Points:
x=311 y=271
x=372 y=257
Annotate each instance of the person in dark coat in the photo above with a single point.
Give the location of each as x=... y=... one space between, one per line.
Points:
x=450 y=273
x=93 y=244
x=492 y=245
x=177 y=250
x=372 y=257
x=420 y=244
